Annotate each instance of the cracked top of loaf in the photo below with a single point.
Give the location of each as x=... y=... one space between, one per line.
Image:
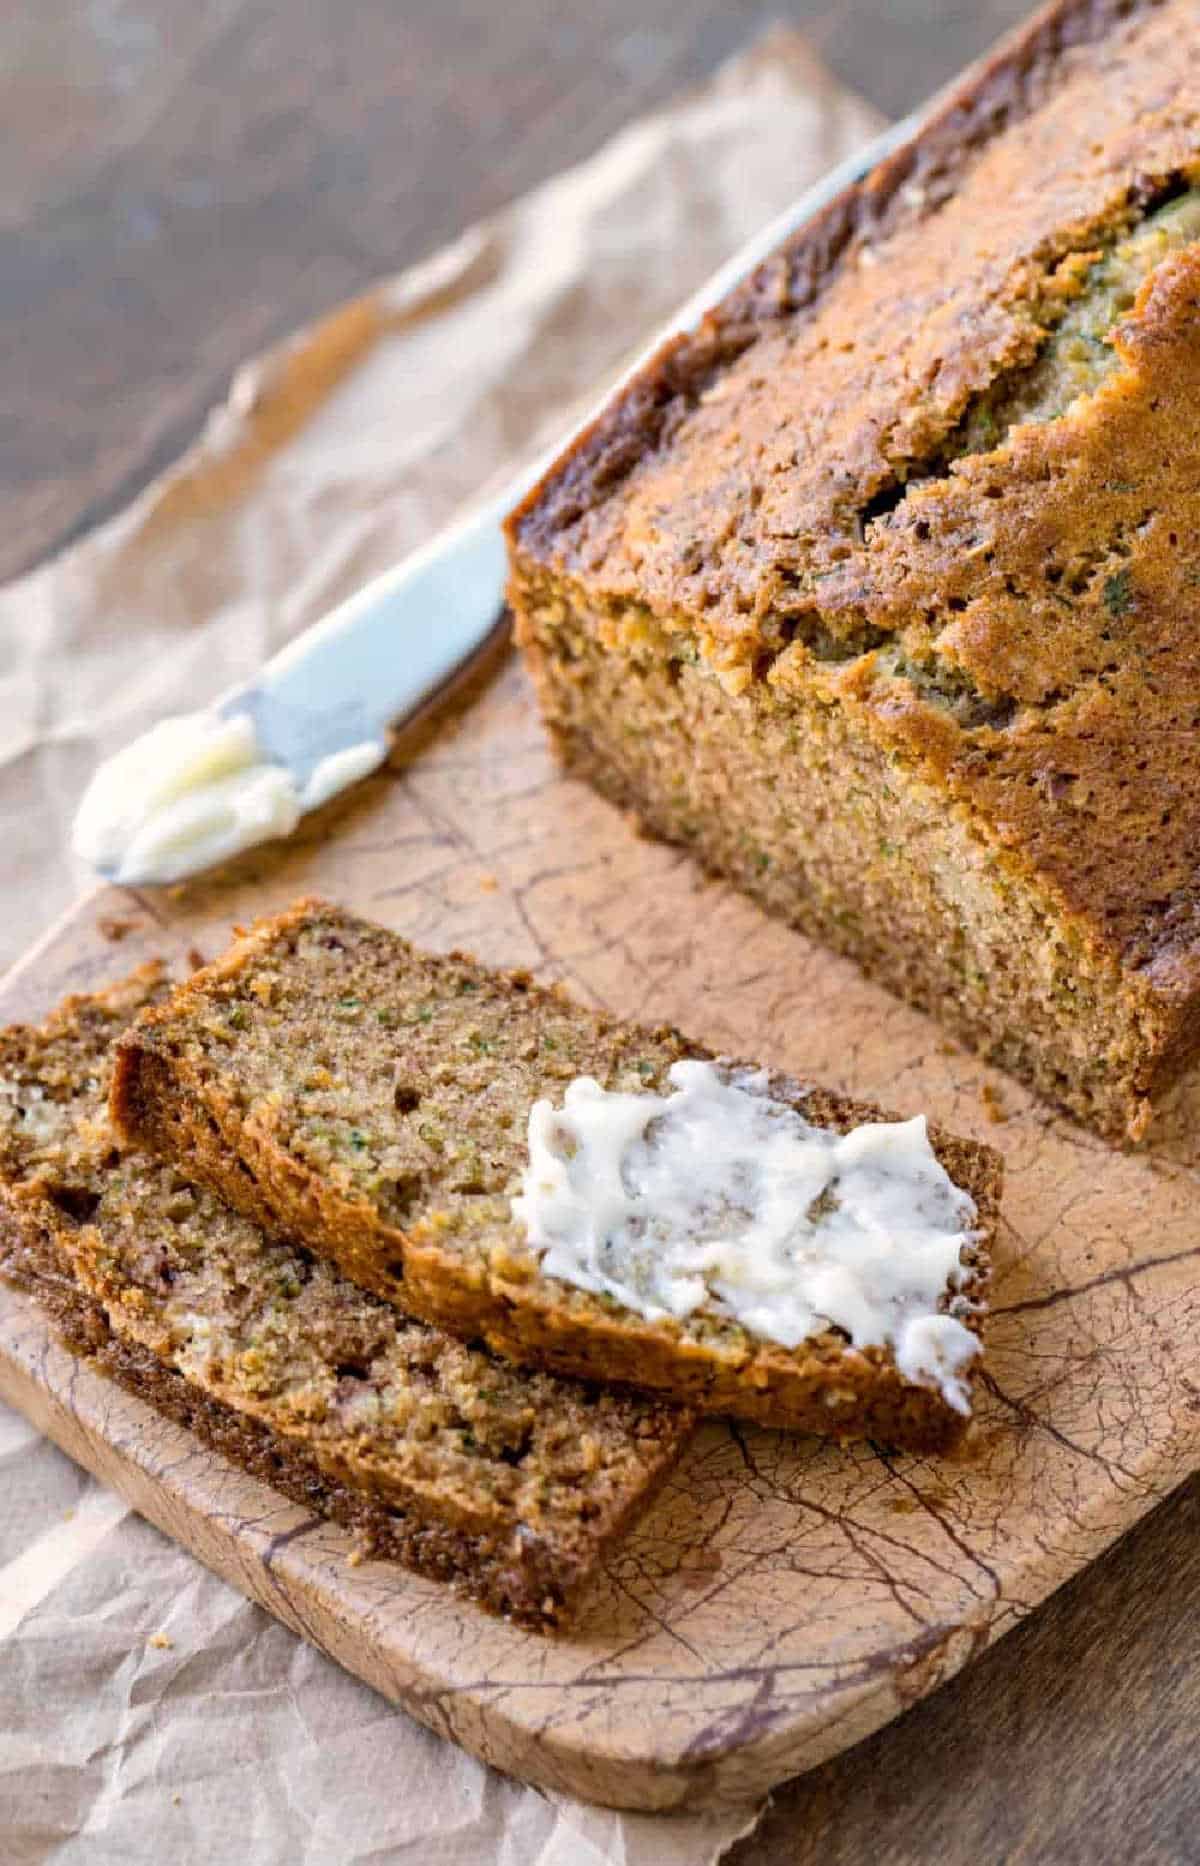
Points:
x=938 y=462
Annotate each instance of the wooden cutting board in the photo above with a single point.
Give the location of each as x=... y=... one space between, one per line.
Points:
x=782 y=1598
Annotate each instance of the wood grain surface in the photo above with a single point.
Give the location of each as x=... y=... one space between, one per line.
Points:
x=194 y=179
x=782 y=1598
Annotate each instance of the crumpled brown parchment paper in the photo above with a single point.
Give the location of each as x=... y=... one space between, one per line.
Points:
x=147 y=1711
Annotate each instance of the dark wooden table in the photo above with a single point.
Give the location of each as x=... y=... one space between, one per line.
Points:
x=187 y=179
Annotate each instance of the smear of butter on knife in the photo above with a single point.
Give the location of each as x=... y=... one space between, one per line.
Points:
x=195 y=790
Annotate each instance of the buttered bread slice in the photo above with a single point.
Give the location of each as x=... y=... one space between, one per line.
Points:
x=581 y=1194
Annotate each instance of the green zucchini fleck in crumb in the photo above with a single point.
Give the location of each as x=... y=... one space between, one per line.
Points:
x=1118 y=596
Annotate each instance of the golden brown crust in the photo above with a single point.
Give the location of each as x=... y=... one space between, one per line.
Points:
x=1008 y=630
x=470 y=1271
x=996 y=94
x=1095 y=781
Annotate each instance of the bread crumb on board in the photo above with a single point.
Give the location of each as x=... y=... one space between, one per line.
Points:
x=161 y=1643
x=993 y=1103
x=112 y=927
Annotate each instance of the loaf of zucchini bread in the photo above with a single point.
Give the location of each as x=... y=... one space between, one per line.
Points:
x=509 y=1485
x=581 y=1194
x=880 y=591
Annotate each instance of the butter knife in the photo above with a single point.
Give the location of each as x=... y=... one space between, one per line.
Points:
x=195 y=790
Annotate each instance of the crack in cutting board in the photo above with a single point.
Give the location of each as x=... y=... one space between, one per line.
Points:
x=781 y=1598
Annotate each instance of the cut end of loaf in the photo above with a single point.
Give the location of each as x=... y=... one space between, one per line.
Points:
x=858 y=851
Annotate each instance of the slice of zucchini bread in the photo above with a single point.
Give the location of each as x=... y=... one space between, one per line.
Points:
x=376 y=1102
x=880 y=591
x=510 y=1485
